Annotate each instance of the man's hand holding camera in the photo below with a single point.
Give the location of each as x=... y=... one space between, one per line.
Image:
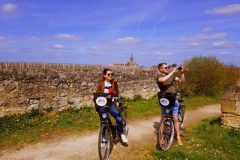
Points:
x=180 y=69
x=164 y=69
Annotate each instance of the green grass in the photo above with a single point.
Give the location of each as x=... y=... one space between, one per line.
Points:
x=139 y=108
x=206 y=141
x=35 y=126
x=196 y=101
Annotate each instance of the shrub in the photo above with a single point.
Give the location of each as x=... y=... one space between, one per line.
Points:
x=233 y=75
x=204 y=75
x=137 y=97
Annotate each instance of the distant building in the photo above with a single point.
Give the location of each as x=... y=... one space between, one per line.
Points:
x=131 y=63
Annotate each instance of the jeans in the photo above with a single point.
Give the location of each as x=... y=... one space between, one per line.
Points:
x=115 y=113
x=174 y=111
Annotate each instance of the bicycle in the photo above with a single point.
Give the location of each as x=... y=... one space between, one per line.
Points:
x=108 y=134
x=166 y=130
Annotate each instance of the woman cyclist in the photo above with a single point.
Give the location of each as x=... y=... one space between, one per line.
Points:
x=109 y=85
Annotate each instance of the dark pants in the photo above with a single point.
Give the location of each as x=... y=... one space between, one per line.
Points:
x=115 y=113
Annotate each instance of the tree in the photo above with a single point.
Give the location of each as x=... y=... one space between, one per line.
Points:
x=204 y=75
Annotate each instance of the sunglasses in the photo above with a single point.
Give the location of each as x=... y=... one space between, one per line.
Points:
x=166 y=67
x=110 y=74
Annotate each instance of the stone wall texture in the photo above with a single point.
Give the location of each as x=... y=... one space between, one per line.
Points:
x=230 y=106
x=24 y=87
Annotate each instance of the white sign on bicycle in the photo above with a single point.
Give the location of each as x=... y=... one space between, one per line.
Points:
x=164 y=101
x=101 y=101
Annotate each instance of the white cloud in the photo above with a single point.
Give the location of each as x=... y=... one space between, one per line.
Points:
x=218 y=44
x=2 y=38
x=152 y=46
x=19 y=38
x=207 y=29
x=163 y=53
x=33 y=38
x=190 y=45
x=168 y=53
x=224 y=45
x=94 y=48
x=9 y=7
x=202 y=37
x=224 y=53
x=194 y=44
x=128 y=41
x=58 y=46
x=97 y=49
x=66 y=36
x=223 y=10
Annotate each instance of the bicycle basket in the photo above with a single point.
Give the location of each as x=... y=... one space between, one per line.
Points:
x=167 y=100
x=102 y=99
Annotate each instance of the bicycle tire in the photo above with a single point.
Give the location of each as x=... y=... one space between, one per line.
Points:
x=181 y=114
x=165 y=137
x=125 y=120
x=104 y=142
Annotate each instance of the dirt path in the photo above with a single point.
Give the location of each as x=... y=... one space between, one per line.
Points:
x=142 y=139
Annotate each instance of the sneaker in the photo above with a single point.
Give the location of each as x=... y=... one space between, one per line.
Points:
x=124 y=138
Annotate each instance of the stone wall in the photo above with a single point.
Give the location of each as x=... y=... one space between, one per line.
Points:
x=230 y=106
x=23 y=88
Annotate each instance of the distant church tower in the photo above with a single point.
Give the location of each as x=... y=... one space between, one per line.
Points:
x=132 y=62
x=131 y=59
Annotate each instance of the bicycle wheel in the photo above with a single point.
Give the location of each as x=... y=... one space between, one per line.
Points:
x=181 y=114
x=166 y=134
x=104 y=142
x=124 y=117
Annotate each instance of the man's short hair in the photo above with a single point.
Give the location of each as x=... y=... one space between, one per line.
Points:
x=161 y=64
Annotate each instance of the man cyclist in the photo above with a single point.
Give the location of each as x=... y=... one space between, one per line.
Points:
x=166 y=82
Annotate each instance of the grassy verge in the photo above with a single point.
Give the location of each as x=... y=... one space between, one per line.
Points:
x=139 y=108
x=35 y=126
x=206 y=141
x=197 y=101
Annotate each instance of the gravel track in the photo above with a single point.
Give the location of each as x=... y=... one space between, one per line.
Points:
x=142 y=140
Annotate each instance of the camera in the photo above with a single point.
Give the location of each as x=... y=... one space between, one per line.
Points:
x=179 y=68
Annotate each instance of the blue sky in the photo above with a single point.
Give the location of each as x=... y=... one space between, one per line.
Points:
x=108 y=31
